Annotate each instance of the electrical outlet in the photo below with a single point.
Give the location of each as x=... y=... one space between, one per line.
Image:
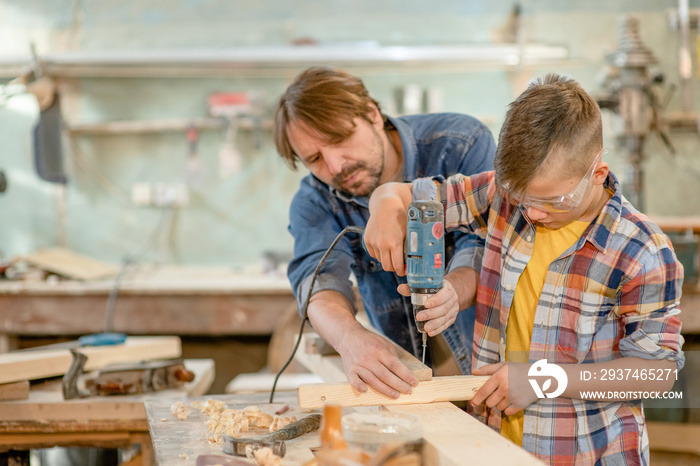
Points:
x=141 y=194
x=170 y=194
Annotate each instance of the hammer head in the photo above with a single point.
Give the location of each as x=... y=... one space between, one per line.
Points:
x=242 y=447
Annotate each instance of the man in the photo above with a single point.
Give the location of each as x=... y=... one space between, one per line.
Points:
x=327 y=120
x=574 y=281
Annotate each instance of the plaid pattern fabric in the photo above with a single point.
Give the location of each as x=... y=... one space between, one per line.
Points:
x=615 y=293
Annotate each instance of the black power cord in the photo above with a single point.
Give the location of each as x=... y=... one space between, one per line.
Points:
x=304 y=314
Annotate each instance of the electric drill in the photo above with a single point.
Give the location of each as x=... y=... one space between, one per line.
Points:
x=425 y=249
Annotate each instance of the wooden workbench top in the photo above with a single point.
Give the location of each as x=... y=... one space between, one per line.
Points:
x=179 y=443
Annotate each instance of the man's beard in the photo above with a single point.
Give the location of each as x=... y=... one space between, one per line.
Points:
x=366 y=184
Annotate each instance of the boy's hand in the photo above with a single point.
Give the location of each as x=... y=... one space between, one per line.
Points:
x=386 y=227
x=441 y=309
x=496 y=393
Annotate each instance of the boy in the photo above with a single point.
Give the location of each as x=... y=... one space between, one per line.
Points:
x=572 y=273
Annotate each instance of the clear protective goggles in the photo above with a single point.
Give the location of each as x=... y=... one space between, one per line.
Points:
x=559 y=204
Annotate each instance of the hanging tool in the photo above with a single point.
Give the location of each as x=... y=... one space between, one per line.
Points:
x=239 y=445
x=48 y=139
x=425 y=250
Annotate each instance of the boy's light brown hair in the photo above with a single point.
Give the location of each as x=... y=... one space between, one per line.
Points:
x=326 y=100
x=553 y=115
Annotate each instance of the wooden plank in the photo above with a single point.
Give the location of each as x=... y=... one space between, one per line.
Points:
x=452 y=388
x=70 y=264
x=30 y=365
x=330 y=368
x=14 y=390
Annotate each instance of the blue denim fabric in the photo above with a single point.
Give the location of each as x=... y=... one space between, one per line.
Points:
x=433 y=144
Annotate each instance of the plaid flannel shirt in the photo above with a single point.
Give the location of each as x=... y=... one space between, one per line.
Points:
x=614 y=293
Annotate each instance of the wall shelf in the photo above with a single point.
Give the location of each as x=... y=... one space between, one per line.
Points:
x=194 y=62
x=164 y=125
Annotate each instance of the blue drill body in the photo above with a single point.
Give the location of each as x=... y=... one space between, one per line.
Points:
x=425 y=252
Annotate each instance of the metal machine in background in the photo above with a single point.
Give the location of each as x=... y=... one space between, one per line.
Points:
x=425 y=252
x=632 y=90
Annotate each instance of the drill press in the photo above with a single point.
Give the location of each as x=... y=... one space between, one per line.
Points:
x=425 y=249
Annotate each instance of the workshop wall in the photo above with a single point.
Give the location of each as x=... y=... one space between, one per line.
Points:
x=233 y=220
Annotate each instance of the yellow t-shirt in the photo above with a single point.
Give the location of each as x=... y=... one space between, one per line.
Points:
x=549 y=245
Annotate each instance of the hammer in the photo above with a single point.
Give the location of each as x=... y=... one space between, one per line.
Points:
x=241 y=445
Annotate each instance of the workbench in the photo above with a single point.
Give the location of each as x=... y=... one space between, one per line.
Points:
x=152 y=300
x=46 y=420
x=451 y=434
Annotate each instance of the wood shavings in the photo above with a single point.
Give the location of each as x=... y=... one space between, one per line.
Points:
x=180 y=410
x=233 y=421
x=263 y=456
x=210 y=406
x=258 y=419
x=280 y=422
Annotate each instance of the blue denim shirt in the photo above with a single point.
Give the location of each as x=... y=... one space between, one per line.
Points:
x=433 y=144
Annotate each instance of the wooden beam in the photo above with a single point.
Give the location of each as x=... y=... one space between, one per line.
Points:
x=70 y=264
x=38 y=364
x=669 y=436
x=452 y=388
x=14 y=391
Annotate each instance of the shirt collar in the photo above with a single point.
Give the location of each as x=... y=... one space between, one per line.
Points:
x=409 y=148
x=605 y=226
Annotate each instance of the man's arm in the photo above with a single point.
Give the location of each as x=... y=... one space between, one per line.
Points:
x=368 y=358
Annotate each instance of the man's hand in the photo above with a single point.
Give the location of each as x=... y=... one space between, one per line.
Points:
x=369 y=359
x=495 y=392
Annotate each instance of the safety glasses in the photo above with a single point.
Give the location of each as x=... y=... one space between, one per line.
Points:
x=563 y=203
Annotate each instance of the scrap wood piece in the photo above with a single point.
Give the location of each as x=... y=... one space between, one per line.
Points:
x=39 y=364
x=450 y=388
x=63 y=261
x=14 y=390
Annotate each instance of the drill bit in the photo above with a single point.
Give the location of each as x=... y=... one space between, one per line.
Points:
x=425 y=341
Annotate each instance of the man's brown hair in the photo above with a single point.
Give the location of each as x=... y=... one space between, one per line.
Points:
x=554 y=114
x=326 y=100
